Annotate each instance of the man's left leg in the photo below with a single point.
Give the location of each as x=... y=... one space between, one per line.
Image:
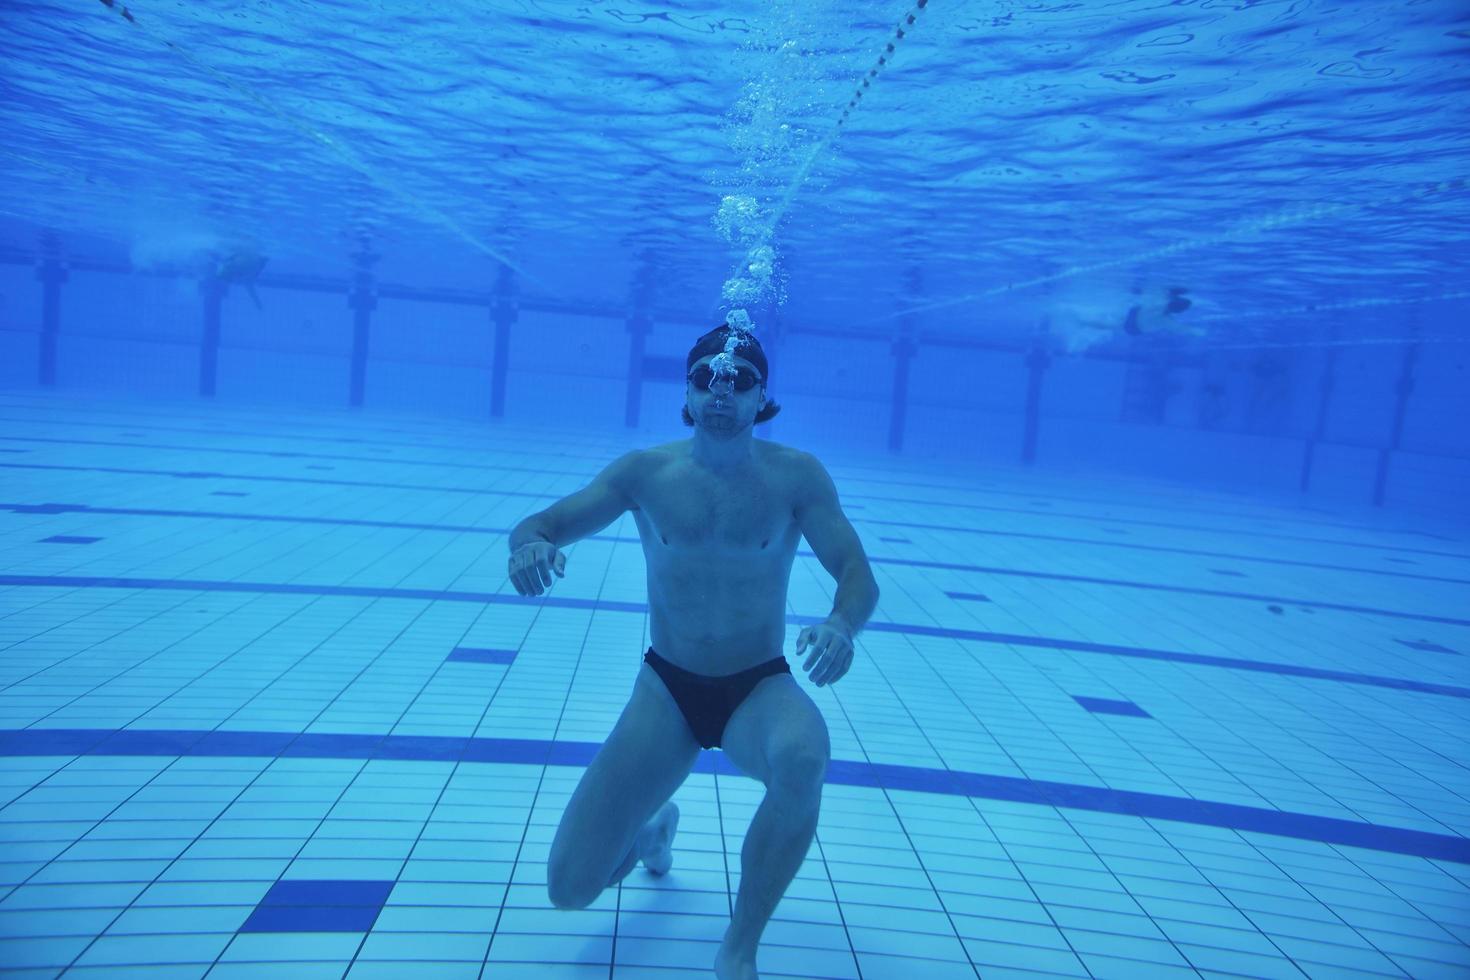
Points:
x=779 y=737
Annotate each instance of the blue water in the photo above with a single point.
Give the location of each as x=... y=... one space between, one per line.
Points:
x=1005 y=142
x=1168 y=673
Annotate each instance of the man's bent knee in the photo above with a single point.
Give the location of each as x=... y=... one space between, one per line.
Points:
x=566 y=892
x=568 y=884
x=799 y=774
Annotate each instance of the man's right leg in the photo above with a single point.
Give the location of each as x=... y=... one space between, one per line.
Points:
x=647 y=757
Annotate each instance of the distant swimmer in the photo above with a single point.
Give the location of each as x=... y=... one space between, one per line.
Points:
x=1088 y=317
x=1161 y=315
x=240 y=267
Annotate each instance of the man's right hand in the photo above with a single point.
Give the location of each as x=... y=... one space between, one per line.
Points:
x=531 y=567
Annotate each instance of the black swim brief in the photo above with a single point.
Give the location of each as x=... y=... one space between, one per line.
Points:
x=708 y=702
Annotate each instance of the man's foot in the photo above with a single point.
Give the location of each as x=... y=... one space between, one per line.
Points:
x=656 y=840
x=735 y=964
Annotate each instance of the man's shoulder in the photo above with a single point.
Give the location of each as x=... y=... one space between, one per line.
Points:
x=796 y=468
x=788 y=457
x=660 y=454
x=637 y=463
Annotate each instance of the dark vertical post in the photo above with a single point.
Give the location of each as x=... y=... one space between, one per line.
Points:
x=363 y=299
x=639 y=324
x=1038 y=359
x=51 y=271
x=1402 y=389
x=504 y=313
x=903 y=349
x=1324 y=405
x=214 y=297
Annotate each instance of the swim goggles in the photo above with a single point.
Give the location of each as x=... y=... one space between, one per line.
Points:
x=703 y=376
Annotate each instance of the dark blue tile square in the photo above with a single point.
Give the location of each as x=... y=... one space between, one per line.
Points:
x=1107 y=706
x=1228 y=573
x=480 y=655
x=228 y=493
x=1426 y=646
x=285 y=918
x=319 y=905
x=969 y=596
x=896 y=540
x=68 y=539
x=328 y=891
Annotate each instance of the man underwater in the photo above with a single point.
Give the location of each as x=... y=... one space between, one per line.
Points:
x=720 y=516
x=241 y=266
x=1161 y=315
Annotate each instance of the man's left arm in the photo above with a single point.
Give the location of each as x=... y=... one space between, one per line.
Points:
x=827 y=529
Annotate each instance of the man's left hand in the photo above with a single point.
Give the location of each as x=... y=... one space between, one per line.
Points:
x=831 y=651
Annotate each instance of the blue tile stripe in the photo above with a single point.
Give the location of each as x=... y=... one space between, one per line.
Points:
x=382 y=446
x=275 y=478
x=639 y=608
x=842 y=772
x=1303 y=826
x=1199 y=659
x=963 y=505
x=1179 y=589
x=1425 y=646
x=57 y=508
x=961 y=529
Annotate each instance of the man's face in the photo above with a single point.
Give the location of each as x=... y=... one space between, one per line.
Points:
x=722 y=409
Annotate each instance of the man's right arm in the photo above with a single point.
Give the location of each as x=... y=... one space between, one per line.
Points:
x=585 y=512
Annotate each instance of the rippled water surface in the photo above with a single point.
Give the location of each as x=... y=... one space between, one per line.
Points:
x=1010 y=159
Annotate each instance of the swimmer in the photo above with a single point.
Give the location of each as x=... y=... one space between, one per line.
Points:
x=720 y=515
x=242 y=267
x=1163 y=314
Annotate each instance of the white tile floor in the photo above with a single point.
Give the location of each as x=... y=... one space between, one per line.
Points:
x=1288 y=797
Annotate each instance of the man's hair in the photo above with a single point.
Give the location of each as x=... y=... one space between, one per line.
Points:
x=748 y=348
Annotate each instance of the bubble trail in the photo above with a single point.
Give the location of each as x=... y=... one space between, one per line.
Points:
x=899 y=33
x=750 y=279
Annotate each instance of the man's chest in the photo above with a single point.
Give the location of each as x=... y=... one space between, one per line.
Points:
x=684 y=507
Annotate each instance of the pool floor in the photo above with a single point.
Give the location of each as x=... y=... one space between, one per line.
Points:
x=271 y=708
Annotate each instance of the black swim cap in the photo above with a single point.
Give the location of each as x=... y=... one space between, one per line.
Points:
x=750 y=349
x=714 y=343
